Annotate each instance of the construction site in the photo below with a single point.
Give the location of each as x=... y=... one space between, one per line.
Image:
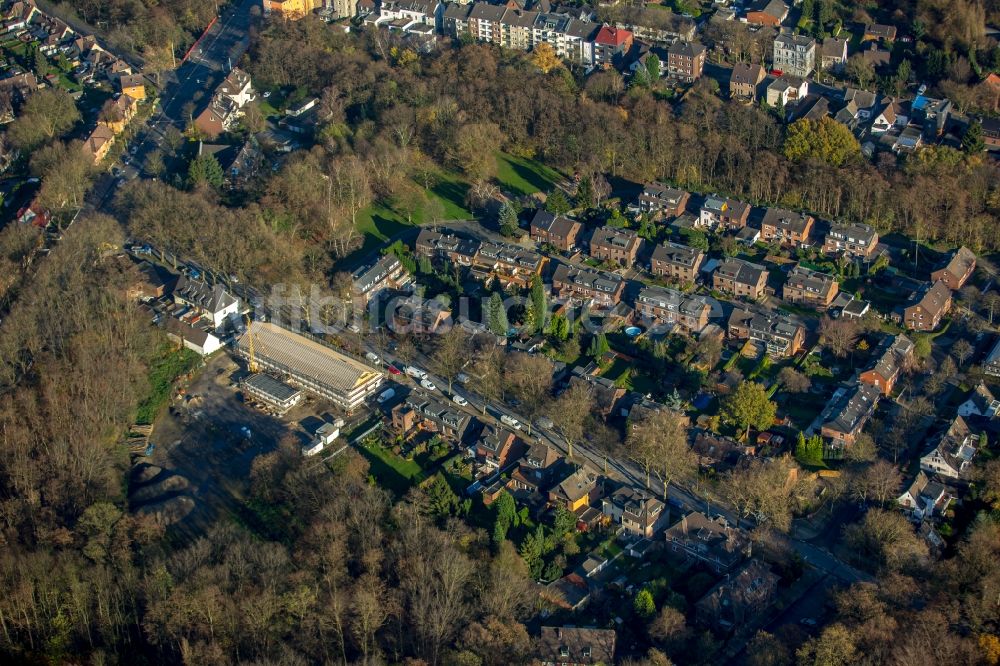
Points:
x=308 y=364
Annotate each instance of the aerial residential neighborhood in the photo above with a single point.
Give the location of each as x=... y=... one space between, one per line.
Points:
x=486 y=333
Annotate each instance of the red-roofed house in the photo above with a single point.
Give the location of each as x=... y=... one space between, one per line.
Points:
x=609 y=43
x=34 y=214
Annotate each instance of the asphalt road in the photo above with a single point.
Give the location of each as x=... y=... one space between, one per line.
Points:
x=185 y=90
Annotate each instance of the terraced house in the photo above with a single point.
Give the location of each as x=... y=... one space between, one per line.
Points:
x=669 y=306
x=780 y=334
x=509 y=264
x=615 y=245
x=676 y=261
x=659 y=200
x=556 y=230
x=786 y=227
x=722 y=213
x=740 y=278
x=809 y=287
x=958 y=270
x=599 y=288
x=854 y=240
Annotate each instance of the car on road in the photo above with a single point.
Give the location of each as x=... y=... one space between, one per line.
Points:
x=462 y=378
x=807 y=622
x=415 y=372
x=510 y=421
x=428 y=384
x=459 y=400
x=387 y=394
x=372 y=357
x=393 y=370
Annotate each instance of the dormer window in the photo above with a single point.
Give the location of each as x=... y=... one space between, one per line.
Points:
x=564 y=651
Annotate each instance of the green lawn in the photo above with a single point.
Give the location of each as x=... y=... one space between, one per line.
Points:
x=522 y=176
x=169 y=364
x=391 y=471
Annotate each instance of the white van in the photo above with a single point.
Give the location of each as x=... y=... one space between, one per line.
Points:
x=416 y=372
x=373 y=357
x=387 y=394
x=510 y=421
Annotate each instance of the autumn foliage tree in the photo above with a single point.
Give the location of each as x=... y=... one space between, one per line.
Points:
x=824 y=140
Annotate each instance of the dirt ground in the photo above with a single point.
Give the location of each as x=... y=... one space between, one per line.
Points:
x=205 y=443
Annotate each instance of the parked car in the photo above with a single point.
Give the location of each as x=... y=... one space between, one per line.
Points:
x=428 y=384
x=462 y=378
x=393 y=370
x=371 y=356
x=416 y=372
x=387 y=394
x=510 y=421
x=544 y=422
x=459 y=400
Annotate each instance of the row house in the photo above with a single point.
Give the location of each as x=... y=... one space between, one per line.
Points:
x=413 y=314
x=781 y=335
x=794 y=54
x=436 y=245
x=370 y=281
x=740 y=278
x=847 y=413
x=954 y=452
x=555 y=230
x=676 y=261
x=422 y=411
x=615 y=245
x=744 y=82
x=712 y=541
x=639 y=513
x=810 y=288
x=599 y=288
x=685 y=60
x=720 y=213
x=786 y=227
x=854 y=240
x=958 y=270
x=892 y=358
x=498 y=448
x=659 y=200
x=656 y=26
x=511 y=265
x=669 y=306
x=927 y=307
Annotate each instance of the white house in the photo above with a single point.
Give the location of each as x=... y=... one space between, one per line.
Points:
x=237 y=88
x=980 y=403
x=213 y=302
x=197 y=340
x=786 y=89
x=952 y=456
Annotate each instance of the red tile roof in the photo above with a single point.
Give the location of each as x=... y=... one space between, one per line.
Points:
x=609 y=36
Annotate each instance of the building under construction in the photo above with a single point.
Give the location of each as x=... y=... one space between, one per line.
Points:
x=308 y=364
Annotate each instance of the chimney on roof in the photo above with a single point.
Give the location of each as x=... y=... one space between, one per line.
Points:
x=684 y=523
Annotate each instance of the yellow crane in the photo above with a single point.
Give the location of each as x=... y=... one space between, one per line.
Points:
x=251 y=357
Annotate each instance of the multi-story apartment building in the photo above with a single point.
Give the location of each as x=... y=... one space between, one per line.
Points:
x=958 y=270
x=894 y=355
x=386 y=273
x=811 y=288
x=928 y=307
x=745 y=81
x=854 y=240
x=781 y=335
x=599 y=288
x=676 y=261
x=795 y=54
x=786 y=227
x=685 y=60
x=740 y=278
x=721 y=213
x=615 y=245
x=669 y=306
